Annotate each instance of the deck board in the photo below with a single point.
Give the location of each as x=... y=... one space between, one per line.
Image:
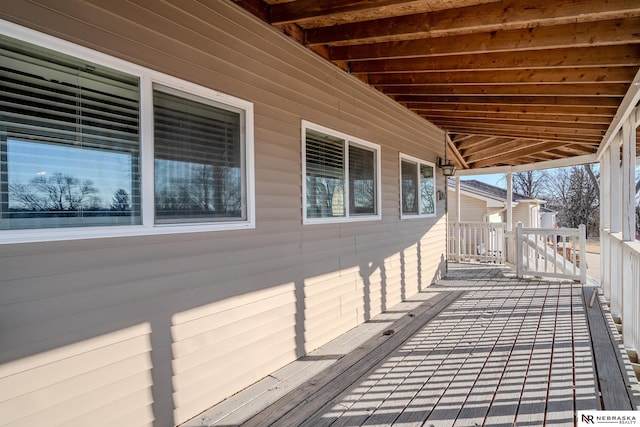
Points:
x=560 y=394
x=611 y=381
x=492 y=350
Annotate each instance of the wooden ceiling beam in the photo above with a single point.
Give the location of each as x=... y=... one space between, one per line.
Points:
x=542 y=157
x=598 y=76
x=493 y=145
x=512 y=81
x=501 y=128
x=524 y=160
x=478 y=141
x=453 y=151
x=611 y=102
x=583 y=34
x=572 y=149
x=545 y=146
x=509 y=147
x=491 y=110
x=523 y=134
x=329 y=11
x=500 y=16
x=580 y=89
x=459 y=139
x=594 y=128
x=256 y=7
x=599 y=56
x=517 y=117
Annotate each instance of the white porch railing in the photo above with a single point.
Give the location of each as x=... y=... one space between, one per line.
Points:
x=477 y=241
x=620 y=280
x=552 y=252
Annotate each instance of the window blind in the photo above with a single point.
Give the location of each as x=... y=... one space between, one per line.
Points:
x=409 y=187
x=69 y=141
x=427 y=190
x=362 y=178
x=198 y=159
x=325 y=175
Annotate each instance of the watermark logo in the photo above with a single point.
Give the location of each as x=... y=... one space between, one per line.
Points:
x=608 y=418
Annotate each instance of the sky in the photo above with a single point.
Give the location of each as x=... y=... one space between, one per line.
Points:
x=497 y=179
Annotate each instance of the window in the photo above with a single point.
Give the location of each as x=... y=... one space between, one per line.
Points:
x=342 y=176
x=99 y=147
x=417 y=187
x=69 y=134
x=198 y=159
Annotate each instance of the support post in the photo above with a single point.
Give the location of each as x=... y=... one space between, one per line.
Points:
x=509 y=202
x=458 y=235
x=614 y=267
x=583 y=253
x=628 y=180
x=614 y=199
x=519 y=254
x=629 y=281
x=605 y=225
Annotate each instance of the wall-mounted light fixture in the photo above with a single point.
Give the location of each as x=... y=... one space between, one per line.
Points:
x=448 y=168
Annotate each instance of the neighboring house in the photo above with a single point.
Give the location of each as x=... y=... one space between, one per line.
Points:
x=204 y=230
x=482 y=202
x=548 y=218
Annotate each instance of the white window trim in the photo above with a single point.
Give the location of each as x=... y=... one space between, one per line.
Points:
x=146 y=77
x=378 y=176
x=418 y=162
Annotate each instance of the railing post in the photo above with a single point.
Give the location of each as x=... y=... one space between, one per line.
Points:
x=458 y=242
x=520 y=266
x=630 y=295
x=582 y=230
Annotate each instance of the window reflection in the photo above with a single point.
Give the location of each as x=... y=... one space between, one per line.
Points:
x=56 y=185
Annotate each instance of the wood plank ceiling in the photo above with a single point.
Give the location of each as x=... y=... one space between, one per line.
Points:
x=512 y=82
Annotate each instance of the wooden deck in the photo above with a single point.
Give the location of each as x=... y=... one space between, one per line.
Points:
x=488 y=350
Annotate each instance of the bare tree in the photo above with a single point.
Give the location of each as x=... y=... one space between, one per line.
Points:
x=201 y=190
x=574 y=195
x=530 y=183
x=57 y=193
x=120 y=202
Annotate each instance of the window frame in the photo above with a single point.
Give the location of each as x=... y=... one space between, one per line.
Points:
x=349 y=140
x=147 y=78
x=418 y=162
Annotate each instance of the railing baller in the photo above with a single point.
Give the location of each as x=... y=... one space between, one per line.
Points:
x=477 y=242
x=554 y=252
x=621 y=286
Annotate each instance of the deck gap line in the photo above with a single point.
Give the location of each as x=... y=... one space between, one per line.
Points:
x=535 y=339
x=353 y=365
x=553 y=350
x=474 y=297
x=573 y=353
x=495 y=344
x=439 y=399
x=537 y=309
x=464 y=307
x=513 y=345
x=528 y=295
x=396 y=387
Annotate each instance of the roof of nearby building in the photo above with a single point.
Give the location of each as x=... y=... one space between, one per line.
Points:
x=476 y=186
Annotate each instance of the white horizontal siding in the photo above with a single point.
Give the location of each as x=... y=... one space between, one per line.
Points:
x=155 y=329
x=61 y=384
x=473 y=210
